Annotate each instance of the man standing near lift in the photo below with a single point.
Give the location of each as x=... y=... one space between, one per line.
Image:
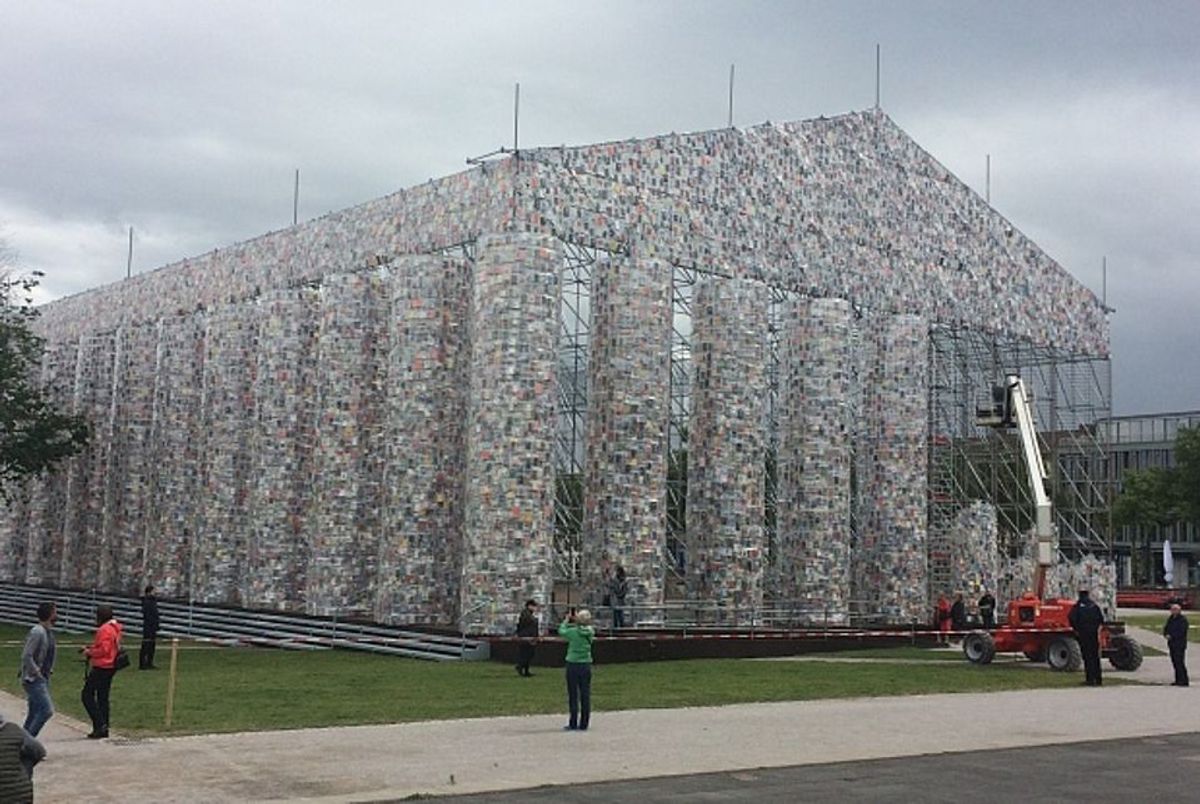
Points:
x=1086 y=618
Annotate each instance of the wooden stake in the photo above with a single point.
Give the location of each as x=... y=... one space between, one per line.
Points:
x=171 y=681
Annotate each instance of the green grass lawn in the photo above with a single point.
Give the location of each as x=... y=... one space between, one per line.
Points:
x=237 y=689
x=906 y=652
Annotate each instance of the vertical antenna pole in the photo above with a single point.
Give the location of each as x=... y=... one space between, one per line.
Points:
x=731 y=96
x=988 y=186
x=296 y=200
x=1104 y=280
x=877 y=63
x=129 y=259
x=516 y=115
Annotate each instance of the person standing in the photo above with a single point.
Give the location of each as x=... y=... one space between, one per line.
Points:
x=1086 y=619
x=987 y=610
x=37 y=663
x=527 y=632
x=618 y=590
x=958 y=613
x=577 y=630
x=149 y=629
x=19 y=752
x=102 y=660
x=942 y=617
x=1176 y=632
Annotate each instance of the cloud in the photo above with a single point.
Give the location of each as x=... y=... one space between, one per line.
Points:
x=188 y=120
x=80 y=253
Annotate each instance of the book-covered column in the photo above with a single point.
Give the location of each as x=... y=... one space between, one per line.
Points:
x=46 y=504
x=281 y=482
x=812 y=552
x=420 y=552
x=726 y=447
x=509 y=466
x=973 y=550
x=229 y=365
x=82 y=527
x=343 y=527
x=892 y=558
x=129 y=502
x=179 y=438
x=628 y=407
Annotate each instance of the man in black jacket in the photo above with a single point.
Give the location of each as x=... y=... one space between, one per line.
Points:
x=149 y=629
x=987 y=610
x=527 y=630
x=1176 y=632
x=958 y=613
x=1086 y=618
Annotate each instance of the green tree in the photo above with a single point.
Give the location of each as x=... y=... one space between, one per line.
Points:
x=1148 y=501
x=1187 y=472
x=33 y=435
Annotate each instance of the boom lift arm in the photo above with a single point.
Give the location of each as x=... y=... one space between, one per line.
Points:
x=1011 y=408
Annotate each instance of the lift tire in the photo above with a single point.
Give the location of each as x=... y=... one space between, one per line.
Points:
x=1038 y=655
x=1064 y=655
x=979 y=647
x=1127 y=653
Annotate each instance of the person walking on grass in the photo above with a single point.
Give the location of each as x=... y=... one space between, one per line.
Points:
x=577 y=630
x=19 y=752
x=102 y=666
x=1176 y=632
x=527 y=634
x=37 y=663
x=149 y=629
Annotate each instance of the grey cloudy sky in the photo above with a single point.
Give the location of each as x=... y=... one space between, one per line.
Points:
x=186 y=120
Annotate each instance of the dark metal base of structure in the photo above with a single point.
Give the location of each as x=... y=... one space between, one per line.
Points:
x=649 y=646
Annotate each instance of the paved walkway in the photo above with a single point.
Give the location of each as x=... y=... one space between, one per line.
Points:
x=1107 y=772
x=463 y=756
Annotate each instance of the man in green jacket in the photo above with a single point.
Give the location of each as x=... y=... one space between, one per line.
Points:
x=577 y=630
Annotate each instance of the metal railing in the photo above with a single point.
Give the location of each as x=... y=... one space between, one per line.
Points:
x=700 y=616
x=76 y=613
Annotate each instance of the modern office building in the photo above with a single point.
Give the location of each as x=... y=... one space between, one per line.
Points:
x=1145 y=441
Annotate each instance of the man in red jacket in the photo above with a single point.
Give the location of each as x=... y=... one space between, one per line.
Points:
x=102 y=658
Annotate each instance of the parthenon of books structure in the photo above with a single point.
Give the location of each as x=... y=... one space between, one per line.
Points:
x=740 y=363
